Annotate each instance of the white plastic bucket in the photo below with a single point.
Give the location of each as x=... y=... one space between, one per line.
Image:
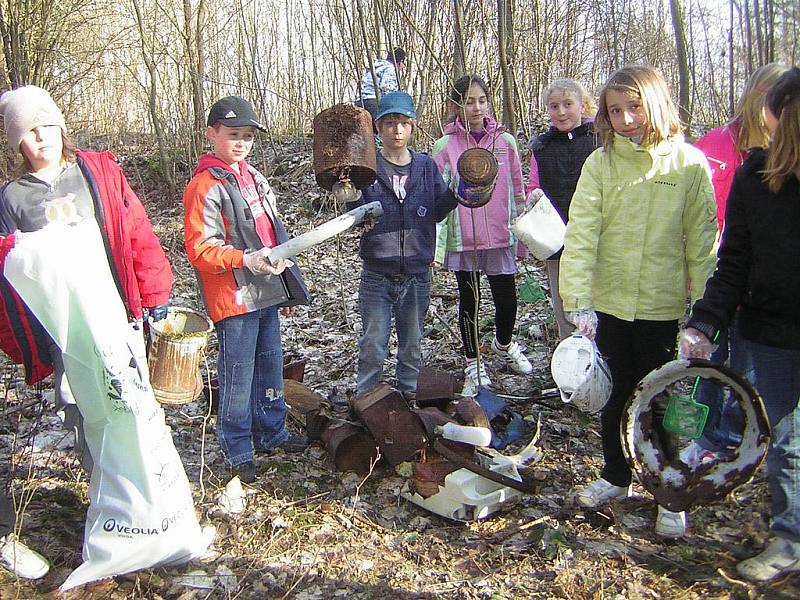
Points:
x=581 y=374
x=540 y=228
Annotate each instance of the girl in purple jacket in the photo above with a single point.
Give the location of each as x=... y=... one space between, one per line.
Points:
x=476 y=240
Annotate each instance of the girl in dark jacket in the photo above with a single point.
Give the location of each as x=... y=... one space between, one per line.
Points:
x=759 y=270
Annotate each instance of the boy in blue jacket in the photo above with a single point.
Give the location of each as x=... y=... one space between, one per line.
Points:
x=398 y=251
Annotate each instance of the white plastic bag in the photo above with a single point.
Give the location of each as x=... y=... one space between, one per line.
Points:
x=141 y=512
x=540 y=228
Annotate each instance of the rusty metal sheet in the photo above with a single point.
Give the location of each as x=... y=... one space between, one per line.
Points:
x=434 y=387
x=398 y=431
x=674 y=484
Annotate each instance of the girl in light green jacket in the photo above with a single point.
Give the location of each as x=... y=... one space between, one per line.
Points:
x=639 y=241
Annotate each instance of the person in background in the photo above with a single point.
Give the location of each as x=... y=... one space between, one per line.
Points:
x=231 y=224
x=492 y=249
x=726 y=148
x=758 y=274
x=55 y=178
x=398 y=250
x=556 y=160
x=385 y=80
x=641 y=226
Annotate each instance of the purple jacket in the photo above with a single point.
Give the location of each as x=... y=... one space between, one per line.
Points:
x=493 y=220
x=719 y=146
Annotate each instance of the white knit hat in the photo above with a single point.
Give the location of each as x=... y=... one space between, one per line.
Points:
x=27 y=107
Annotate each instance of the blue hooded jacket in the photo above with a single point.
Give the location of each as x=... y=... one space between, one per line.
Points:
x=403 y=240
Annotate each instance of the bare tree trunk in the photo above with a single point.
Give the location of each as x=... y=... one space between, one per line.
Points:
x=152 y=94
x=370 y=62
x=193 y=41
x=683 y=62
x=460 y=56
x=730 y=62
x=504 y=38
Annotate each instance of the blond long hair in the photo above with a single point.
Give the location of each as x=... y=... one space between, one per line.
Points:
x=748 y=119
x=783 y=154
x=644 y=82
x=571 y=86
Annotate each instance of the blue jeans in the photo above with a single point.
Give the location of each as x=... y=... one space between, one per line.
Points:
x=380 y=296
x=725 y=421
x=777 y=378
x=252 y=410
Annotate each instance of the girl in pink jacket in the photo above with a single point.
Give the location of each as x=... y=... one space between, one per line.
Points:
x=476 y=240
x=726 y=147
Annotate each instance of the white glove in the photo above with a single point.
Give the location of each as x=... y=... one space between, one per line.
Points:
x=585 y=320
x=694 y=344
x=258 y=262
x=533 y=198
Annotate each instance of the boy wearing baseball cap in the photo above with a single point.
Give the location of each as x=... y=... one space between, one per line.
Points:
x=398 y=251
x=231 y=223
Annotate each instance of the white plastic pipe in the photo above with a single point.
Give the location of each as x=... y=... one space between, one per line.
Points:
x=324 y=232
x=475 y=436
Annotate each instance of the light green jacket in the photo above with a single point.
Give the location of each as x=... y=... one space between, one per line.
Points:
x=641 y=227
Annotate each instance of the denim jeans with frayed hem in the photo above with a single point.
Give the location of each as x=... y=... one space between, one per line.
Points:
x=252 y=410
x=381 y=297
x=777 y=378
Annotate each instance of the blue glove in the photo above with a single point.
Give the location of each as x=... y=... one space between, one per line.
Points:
x=156 y=313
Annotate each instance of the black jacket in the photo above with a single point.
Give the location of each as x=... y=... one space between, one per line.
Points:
x=559 y=159
x=759 y=262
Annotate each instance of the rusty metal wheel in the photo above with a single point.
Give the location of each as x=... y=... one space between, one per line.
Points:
x=651 y=453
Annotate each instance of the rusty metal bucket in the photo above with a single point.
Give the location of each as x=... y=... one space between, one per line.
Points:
x=351 y=448
x=398 y=431
x=344 y=146
x=477 y=171
x=179 y=342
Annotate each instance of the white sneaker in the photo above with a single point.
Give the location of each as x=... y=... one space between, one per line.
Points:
x=670 y=524
x=600 y=492
x=21 y=560
x=779 y=558
x=513 y=357
x=695 y=455
x=475 y=377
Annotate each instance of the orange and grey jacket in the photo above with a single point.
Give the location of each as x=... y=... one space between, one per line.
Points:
x=219 y=229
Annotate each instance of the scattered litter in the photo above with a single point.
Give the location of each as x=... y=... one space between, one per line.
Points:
x=232 y=499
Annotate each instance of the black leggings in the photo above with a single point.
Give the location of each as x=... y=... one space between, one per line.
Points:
x=632 y=349
x=504 y=295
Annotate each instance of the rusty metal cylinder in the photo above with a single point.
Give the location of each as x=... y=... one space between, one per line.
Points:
x=477 y=171
x=344 y=146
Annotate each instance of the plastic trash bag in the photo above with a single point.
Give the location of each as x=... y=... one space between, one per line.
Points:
x=141 y=512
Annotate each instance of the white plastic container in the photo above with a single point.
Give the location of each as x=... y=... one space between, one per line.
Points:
x=581 y=374
x=540 y=228
x=466 y=496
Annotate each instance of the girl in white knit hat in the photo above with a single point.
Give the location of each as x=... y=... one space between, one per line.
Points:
x=56 y=181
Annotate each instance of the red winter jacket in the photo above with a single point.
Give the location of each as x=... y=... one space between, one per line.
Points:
x=140 y=268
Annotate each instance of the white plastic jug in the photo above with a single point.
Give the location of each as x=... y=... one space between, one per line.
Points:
x=540 y=228
x=581 y=374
